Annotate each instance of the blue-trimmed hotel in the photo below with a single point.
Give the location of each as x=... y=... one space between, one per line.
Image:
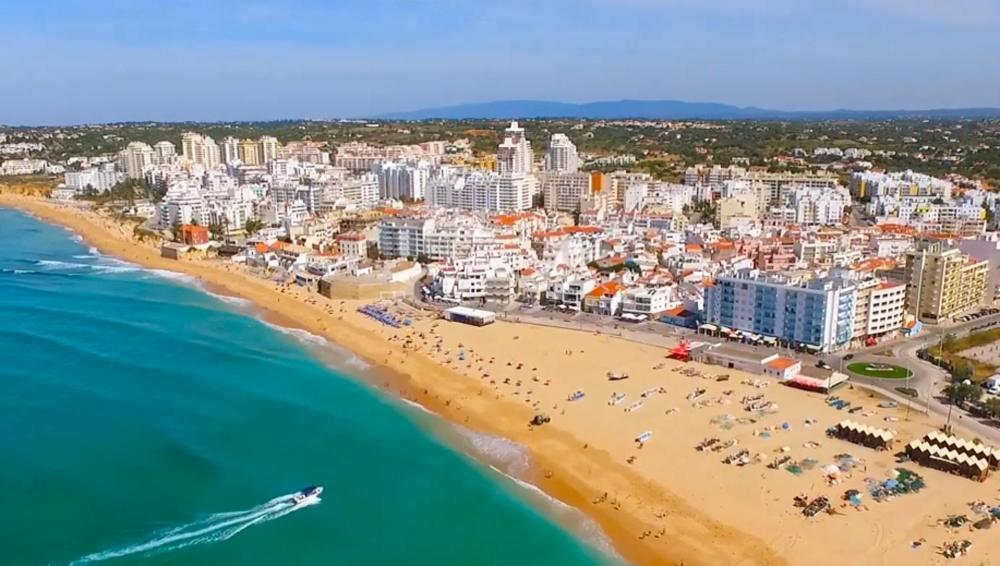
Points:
x=817 y=313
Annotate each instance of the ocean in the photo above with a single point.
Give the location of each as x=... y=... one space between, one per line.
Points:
x=146 y=421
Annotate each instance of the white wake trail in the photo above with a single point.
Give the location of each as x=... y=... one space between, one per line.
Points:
x=214 y=528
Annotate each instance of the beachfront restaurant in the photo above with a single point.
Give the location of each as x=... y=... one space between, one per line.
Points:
x=466 y=315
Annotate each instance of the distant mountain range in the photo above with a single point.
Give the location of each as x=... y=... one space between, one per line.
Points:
x=664 y=110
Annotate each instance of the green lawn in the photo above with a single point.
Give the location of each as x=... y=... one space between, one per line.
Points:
x=888 y=371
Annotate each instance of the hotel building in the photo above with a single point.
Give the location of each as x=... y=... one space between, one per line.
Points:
x=818 y=313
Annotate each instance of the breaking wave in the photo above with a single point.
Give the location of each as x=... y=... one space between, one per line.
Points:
x=111 y=266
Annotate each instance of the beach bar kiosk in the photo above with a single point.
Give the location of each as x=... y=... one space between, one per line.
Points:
x=466 y=315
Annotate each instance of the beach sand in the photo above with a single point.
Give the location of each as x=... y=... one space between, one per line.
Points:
x=663 y=503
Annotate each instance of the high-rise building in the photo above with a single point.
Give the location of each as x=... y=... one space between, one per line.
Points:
x=403 y=180
x=514 y=154
x=135 y=158
x=268 y=149
x=199 y=149
x=561 y=156
x=250 y=152
x=943 y=282
x=166 y=152
x=230 y=150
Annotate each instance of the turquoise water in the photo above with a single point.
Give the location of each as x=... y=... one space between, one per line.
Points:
x=145 y=421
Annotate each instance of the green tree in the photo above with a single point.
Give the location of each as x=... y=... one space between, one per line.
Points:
x=217 y=231
x=961 y=392
x=993 y=407
x=253 y=226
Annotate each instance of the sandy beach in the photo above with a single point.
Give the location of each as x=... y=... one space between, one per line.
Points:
x=661 y=503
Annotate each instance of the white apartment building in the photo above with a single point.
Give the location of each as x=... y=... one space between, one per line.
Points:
x=634 y=196
x=570 y=293
x=886 y=308
x=231 y=214
x=818 y=207
x=813 y=252
x=482 y=190
x=899 y=184
x=403 y=181
x=670 y=196
x=476 y=281
x=183 y=203
x=268 y=148
x=199 y=149
x=353 y=244
x=100 y=178
x=712 y=176
x=136 y=158
x=561 y=156
x=403 y=237
x=514 y=154
x=165 y=153
x=647 y=301
x=778 y=183
x=564 y=191
x=229 y=150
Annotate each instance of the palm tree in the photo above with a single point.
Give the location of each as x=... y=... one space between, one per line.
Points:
x=253 y=226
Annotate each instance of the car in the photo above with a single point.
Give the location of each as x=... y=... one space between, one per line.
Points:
x=848 y=357
x=822 y=364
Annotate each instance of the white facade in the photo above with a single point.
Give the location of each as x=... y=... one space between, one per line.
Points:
x=818 y=207
x=648 y=301
x=514 y=154
x=199 y=149
x=403 y=181
x=482 y=190
x=100 y=178
x=565 y=191
x=561 y=156
x=136 y=158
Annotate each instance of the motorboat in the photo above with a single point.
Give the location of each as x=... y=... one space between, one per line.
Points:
x=310 y=493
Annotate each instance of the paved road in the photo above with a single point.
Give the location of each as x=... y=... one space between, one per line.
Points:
x=928 y=379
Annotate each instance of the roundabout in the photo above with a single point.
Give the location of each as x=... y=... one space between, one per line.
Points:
x=879 y=370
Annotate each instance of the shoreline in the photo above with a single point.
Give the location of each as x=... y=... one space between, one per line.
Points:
x=552 y=469
x=667 y=504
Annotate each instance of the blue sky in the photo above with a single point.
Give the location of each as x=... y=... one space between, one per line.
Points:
x=92 y=61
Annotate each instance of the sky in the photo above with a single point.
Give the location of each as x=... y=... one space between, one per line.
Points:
x=84 y=61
